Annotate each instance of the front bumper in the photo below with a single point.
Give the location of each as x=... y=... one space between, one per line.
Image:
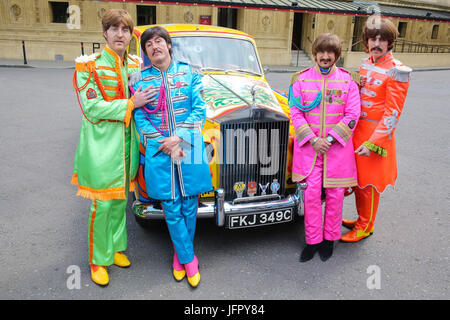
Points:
x=220 y=209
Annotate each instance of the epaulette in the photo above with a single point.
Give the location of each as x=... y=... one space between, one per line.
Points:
x=353 y=74
x=135 y=78
x=400 y=73
x=86 y=62
x=135 y=59
x=294 y=76
x=356 y=77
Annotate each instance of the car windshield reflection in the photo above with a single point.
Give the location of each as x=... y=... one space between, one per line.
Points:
x=217 y=54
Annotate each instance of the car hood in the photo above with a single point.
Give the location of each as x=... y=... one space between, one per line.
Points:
x=225 y=93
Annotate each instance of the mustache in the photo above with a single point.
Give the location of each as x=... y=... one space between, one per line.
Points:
x=376 y=48
x=325 y=60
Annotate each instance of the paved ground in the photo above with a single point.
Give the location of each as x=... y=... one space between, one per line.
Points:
x=44 y=227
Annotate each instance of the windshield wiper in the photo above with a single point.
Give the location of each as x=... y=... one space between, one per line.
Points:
x=212 y=69
x=245 y=71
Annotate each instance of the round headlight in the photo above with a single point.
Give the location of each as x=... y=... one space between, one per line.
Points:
x=209 y=149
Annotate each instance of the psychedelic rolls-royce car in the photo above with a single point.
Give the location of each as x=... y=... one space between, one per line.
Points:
x=247 y=134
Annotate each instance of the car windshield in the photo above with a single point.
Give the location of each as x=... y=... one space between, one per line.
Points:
x=217 y=53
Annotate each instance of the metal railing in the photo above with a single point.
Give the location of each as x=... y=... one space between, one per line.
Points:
x=405 y=46
x=298 y=52
x=298 y=49
x=83 y=46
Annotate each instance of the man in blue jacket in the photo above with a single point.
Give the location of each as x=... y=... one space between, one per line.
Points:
x=170 y=128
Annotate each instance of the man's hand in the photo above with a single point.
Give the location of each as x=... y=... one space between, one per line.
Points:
x=321 y=145
x=177 y=153
x=142 y=97
x=363 y=151
x=169 y=144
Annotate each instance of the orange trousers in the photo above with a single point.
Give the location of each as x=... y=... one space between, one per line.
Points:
x=367 y=200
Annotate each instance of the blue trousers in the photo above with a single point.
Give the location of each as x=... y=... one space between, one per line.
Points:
x=181 y=218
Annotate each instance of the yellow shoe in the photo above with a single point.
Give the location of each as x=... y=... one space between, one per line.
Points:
x=179 y=274
x=99 y=275
x=121 y=260
x=194 y=280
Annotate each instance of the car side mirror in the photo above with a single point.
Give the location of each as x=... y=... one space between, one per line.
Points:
x=266 y=69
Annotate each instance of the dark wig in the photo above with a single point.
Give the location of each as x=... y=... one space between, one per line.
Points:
x=382 y=27
x=327 y=42
x=156 y=31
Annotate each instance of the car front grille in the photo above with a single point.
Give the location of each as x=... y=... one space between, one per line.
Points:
x=253 y=152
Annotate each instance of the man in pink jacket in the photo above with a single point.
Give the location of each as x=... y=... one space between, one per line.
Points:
x=325 y=106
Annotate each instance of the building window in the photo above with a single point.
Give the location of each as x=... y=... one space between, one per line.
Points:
x=402 y=29
x=359 y=24
x=59 y=12
x=434 y=33
x=227 y=17
x=146 y=15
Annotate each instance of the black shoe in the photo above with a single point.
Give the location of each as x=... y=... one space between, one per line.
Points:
x=308 y=252
x=326 y=250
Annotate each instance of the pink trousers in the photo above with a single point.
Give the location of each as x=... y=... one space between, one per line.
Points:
x=316 y=229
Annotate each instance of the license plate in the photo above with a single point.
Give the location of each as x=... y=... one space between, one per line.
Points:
x=259 y=219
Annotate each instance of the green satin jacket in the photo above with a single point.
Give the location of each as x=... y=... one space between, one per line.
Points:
x=106 y=159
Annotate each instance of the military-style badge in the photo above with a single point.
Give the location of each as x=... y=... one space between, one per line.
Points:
x=275 y=186
x=239 y=188
x=178 y=85
x=91 y=94
x=264 y=188
x=351 y=124
x=251 y=191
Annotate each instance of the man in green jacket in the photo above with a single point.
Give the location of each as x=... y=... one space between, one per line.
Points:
x=106 y=158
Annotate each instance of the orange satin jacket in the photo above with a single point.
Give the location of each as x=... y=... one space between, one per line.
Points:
x=384 y=84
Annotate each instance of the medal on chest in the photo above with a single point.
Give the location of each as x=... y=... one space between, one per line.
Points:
x=334 y=96
x=91 y=94
x=329 y=96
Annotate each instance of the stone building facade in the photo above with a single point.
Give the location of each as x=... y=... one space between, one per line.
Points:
x=63 y=29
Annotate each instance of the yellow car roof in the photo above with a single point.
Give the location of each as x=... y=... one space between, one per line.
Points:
x=190 y=29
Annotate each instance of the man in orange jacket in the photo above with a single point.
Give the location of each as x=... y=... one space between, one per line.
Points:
x=384 y=84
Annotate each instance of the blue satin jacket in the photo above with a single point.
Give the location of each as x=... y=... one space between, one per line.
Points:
x=186 y=113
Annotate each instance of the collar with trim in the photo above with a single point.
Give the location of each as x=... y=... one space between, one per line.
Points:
x=113 y=57
x=332 y=69
x=385 y=57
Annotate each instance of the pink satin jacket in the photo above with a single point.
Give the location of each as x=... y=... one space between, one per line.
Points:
x=337 y=115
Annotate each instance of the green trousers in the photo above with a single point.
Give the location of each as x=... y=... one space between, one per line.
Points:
x=107 y=222
x=107 y=231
